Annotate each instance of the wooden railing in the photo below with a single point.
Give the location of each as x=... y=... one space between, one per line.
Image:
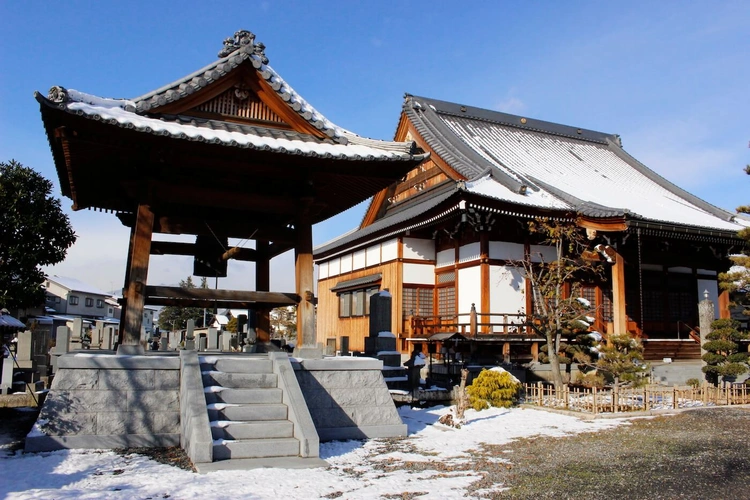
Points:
x=692 y=332
x=648 y=398
x=469 y=325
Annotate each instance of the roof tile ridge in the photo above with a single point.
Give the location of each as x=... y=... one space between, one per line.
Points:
x=718 y=212
x=60 y=95
x=521 y=122
x=467 y=154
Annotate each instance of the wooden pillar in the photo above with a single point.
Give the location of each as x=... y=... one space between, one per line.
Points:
x=263 y=284
x=306 y=341
x=620 y=317
x=535 y=352
x=125 y=285
x=484 y=273
x=724 y=304
x=137 y=276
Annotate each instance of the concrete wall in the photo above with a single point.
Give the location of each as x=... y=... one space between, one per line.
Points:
x=348 y=398
x=107 y=401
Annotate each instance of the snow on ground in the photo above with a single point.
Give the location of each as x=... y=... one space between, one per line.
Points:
x=356 y=467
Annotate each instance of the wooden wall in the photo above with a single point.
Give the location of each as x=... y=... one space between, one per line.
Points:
x=329 y=325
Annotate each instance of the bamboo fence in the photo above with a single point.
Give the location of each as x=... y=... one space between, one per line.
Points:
x=622 y=400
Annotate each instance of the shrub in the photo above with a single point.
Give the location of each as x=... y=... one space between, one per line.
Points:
x=693 y=382
x=590 y=379
x=493 y=388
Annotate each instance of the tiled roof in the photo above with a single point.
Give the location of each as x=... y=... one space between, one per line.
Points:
x=237 y=50
x=119 y=112
x=561 y=167
x=357 y=282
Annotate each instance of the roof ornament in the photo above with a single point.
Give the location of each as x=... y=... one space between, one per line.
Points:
x=58 y=94
x=244 y=38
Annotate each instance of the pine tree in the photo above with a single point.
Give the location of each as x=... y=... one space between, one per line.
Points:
x=724 y=358
x=176 y=317
x=737 y=280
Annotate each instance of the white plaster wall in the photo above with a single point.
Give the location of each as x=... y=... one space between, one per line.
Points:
x=469 y=291
x=419 y=249
x=468 y=253
x=372 y=256
x=446 y=258
x=323 y=270
x=713 y=293
x=358 y=259
x=504 y=250
x=346 y=263
x=419 y=274
x=507 y=290
x=334 y=267
x=389 y=250
x=547 y=252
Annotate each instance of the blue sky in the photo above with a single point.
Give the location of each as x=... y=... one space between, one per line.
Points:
x=669 y=77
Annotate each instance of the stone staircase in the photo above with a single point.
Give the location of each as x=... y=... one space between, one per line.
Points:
x=245 y=408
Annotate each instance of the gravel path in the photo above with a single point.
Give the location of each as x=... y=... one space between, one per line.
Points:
x=695 y=454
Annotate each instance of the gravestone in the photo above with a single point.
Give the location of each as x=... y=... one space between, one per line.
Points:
x=190 y=335
x=226 y=341
x=212 y=341
x=164 y=342
x=6 y=374
x=202 y=343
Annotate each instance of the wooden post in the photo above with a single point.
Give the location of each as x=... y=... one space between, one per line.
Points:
x=306 y=341
x=263 y=284
x=593 y=397
x=484 y=278
x=618 y=295
x=473 y=321
x=674 y=397
x=616 y=395
x=535 y=352
x=137 y=278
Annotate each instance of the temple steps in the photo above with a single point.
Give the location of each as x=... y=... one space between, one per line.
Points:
x=675 y=349
x=246 y=411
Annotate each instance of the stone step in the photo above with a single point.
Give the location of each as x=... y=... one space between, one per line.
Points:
x=220 y=411
x=252 y=430
x=238 y=365
x=256 y=448
x=217 y=394
x=239 y=380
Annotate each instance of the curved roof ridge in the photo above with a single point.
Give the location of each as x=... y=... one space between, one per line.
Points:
x=434 y=132
x=476 y=113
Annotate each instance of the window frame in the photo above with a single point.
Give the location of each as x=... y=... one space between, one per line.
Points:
x=73 y=300
x=346 y=298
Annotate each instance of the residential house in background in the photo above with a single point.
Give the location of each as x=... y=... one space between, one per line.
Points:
x=69 y=296
x=446 y=239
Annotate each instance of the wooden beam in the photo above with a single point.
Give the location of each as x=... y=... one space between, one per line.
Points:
x=137 y=276
x=263 y=283
x=178 y=248
x=260 y=298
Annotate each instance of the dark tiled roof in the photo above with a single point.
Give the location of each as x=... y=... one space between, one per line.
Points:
x=584 y=169
x=357 y=282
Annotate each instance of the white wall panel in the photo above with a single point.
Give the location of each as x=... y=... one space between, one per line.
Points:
x=419 y=249
x=419 y=274
x=469 y=291
x=389 y=250
x=334 y=267
x=446 y=258
x=505 y=250
x=346 y=263
x=547 y=252
x=468 y=253
x=358 y=259
x=507 y=291
x=372 y=256
x=323 y=270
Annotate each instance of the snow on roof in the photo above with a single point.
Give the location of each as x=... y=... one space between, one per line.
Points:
x=587 y=170
x=117 y=113
x=75 y=285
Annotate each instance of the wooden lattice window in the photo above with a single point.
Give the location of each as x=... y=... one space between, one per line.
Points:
x=240 y=103
x=417 y=301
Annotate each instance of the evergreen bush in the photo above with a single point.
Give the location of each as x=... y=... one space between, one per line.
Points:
x=493 y=388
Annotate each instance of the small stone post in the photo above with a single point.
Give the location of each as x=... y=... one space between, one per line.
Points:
x=6 y=376
x=705 y=318
x=212 y=342
x=190 y=335
x=226 y=341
